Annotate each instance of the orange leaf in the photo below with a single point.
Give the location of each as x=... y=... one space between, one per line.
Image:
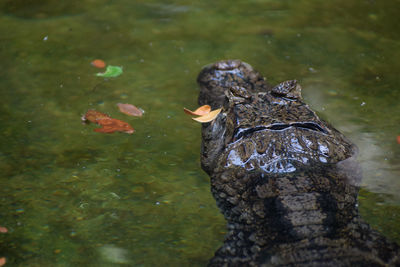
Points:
x=208 y=117
x=98 y=63
x=203 y=110
x=109 y=125
x=3 y=229
x=130 y=110
x=2 y=261
x=398 y=139
x=93 y=115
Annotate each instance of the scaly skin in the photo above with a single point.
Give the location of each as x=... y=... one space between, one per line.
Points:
x=285 y=180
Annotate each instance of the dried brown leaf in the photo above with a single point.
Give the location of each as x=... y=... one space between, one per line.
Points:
x=109 y=125
x=208 y=117
x=203 y=110
x=94 y=115
x=130 y=110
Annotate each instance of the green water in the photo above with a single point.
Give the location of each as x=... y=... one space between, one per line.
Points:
x=72 y=197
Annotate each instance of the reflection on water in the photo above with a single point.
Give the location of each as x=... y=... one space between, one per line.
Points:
x=113 y=254
x=70 y=196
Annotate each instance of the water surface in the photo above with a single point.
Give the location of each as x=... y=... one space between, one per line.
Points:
x=73 y=197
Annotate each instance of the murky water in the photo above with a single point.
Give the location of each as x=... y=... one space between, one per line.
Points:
x=73 y=197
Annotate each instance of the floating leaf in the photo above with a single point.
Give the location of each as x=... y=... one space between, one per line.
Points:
x=109 y=125
x=113 y=125
x=111 y=71
x=94 y=115
x=398 y=139
x=130 y=110
x=3 y=229
x=2 y=261
x=203 y=110
x=208 y=117
x=98 y=63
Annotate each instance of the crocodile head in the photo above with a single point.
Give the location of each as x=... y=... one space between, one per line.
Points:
x=284 y=179
x=262 y=128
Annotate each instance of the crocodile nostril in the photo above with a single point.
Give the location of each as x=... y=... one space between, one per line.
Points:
x=227 y=64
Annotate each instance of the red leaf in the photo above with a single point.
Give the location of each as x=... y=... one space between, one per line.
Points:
x=109 y=125
x=398 y=139
x=98 y=63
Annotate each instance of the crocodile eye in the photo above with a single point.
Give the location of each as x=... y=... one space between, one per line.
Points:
x=239 y=91
x=289 y=89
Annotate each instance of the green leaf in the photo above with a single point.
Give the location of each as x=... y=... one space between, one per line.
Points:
x=111 y=71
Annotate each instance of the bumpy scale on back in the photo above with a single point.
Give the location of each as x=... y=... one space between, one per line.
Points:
x=285 y=180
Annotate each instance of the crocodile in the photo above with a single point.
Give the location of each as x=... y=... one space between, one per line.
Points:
x=285 y=180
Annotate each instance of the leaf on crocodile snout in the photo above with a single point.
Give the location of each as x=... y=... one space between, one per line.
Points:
x=208 y=117
x=203 y=110
x=130 y=110
x=108 y=124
